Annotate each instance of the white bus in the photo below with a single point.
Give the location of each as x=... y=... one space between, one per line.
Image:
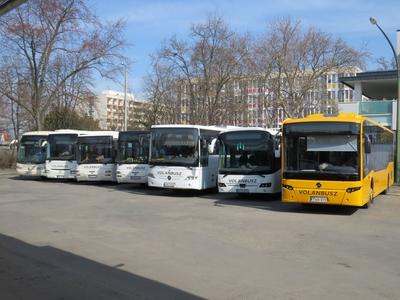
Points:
x=133 y=156
x=96 y=156
x=31 y=155
x=62 y=153
x=183 y=156
x=249 y=161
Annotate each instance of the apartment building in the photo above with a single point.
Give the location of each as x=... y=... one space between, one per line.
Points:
x=249 y=101
x=111 y=107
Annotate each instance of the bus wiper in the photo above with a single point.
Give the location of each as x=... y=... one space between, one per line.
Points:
x=256 y=173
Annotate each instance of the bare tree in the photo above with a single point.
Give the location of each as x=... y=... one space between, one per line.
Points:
x=215 y=68
x=14 y=116
x=161 y=88
x=385 y=65
x=50 y=46
x=203 y=66
x=296 y=60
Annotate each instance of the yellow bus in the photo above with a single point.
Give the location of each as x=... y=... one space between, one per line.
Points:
x=344 y=159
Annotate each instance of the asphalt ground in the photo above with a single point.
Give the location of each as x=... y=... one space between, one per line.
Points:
x=67 y=240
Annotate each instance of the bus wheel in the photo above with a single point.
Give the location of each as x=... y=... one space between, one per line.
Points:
x=370 y=198
x=385 y=192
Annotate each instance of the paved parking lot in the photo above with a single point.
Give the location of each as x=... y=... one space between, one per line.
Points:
x=64 y=240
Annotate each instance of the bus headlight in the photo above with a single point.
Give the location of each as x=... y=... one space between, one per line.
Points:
x=190 y=177
x=151 y=175
x=288 y=187
x=221 y=184
x=353 y=189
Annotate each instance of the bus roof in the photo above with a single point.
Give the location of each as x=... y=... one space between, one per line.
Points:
x=44 y=133
x=114 y=134
x=134 y=131
x=130 y=132
x=342 y=117
x=70 y=131
x=216 y=128
x=272 y=131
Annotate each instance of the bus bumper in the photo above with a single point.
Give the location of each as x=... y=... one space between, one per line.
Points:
x=132 y=174
x=60 y=174
x=237 y=189
x=96 y=173
x=179 y=184
x=31 y=170
x=329 y=193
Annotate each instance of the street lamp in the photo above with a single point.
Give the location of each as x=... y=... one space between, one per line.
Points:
x=125 y=100
x=397 y=60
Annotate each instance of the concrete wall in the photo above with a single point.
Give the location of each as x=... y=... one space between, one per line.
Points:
x=349 y=107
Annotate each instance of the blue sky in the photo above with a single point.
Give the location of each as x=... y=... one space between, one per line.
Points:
x=151 y=22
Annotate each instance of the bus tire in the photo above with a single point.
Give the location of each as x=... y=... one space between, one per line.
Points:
x=385 y=192
x=370 y=197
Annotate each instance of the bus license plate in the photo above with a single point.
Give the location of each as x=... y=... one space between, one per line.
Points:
x=136 y=177
x=60 y=176
x=169 y=184
x=242 y=191
x=319 y=199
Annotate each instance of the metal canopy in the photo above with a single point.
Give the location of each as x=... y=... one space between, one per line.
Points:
x=375 y=85
x=7 y=5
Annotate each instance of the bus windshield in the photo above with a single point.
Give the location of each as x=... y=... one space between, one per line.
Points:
x=133 y=148
x=327 y=151
x=174 y=146
x=30 y=149
x=246 y=152
x=62 y=146
x=95 y=150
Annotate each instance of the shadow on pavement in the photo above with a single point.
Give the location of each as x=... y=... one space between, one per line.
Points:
x=31 y=272
x=28 y=178
x=273 y=203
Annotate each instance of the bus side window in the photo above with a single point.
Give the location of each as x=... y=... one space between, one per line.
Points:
x=204 y=152
x=366 y=143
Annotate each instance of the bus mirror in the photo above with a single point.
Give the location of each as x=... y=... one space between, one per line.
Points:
x=277 y=152
x=277 y=147
x=44 y=144
x=211 y=147
x=13 y=144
